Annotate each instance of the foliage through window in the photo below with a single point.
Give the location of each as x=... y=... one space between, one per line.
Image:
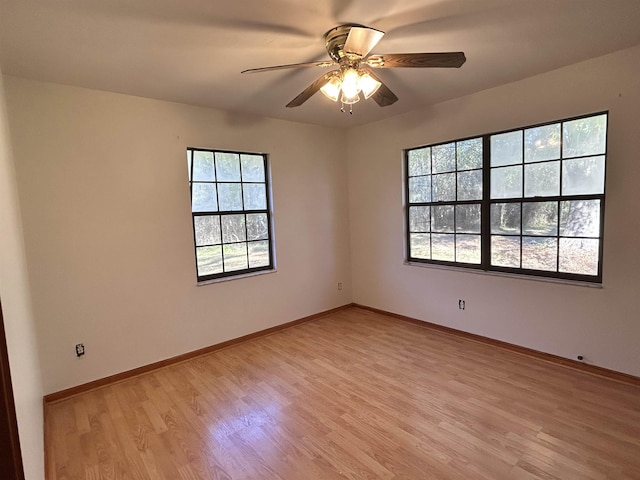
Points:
x=527 y=201
x=230 y=212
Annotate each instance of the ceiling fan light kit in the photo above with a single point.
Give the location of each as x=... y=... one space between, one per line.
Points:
x=348 y=46
x=347 y=85
x=351 y=82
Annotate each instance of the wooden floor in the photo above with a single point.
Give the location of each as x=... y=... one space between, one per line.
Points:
x=354 y=395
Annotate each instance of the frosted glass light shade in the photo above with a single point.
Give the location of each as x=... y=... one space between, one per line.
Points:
x=331 y=89
x=368 y=84
x=350 y=80
x=350 y=100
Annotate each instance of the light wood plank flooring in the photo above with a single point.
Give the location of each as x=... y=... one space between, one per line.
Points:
x=353 y=395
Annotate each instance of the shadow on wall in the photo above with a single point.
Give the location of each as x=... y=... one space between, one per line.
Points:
x=235 y=119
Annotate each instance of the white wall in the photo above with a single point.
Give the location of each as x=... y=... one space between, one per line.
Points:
x=17 y=313
x=103 y=183
x=601 y=324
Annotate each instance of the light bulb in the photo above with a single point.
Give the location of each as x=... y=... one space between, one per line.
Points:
x=368 y=85
x=331 y=89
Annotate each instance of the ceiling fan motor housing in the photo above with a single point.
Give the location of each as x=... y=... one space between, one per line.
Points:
x=336 y=38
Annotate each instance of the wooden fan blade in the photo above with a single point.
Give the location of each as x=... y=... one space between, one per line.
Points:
x=308 y=92
x=417 y=60
x=361 y=40
x=383 y=96
x=292 y=65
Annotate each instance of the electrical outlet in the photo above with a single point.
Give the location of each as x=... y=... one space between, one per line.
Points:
x=79 y=349
x=339 y=285
x=461 y=304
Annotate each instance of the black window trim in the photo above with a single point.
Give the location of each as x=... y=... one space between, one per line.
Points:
x=206 y=279
x=486 y=202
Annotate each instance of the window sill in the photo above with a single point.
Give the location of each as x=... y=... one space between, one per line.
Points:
x=235 y=277
x=562 y=281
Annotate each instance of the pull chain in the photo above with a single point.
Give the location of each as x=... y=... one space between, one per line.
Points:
x=350 y=108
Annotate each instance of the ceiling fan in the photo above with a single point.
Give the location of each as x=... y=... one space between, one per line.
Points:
x=348 y=46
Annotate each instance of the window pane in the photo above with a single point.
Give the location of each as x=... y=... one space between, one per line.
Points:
x=580 y=218
x=230 y=196
x=469 y=154
x=540 y=253
x=209 y=260
x=506 y=182
x=506 y=148
x=203 y=197
x=585 y=136
x=228 y=167
x=583 y=176
x=257 y=226
x=252 y=168
x=542 y=179
x=235 y=257
x=579 y=255
x=442 y=247
x=203 y=166
x=470 y=185
x=505 y=251
x=420 y=245
x=542 y=143
x=442 y=218
x=419 y=162
x=444 y=187
x=540 y=218
x=207 y=229
x=255 y=196
x=419 y=219
x=233 y=229
x=505 y=218
x=420 y=189
x=258 y=254
x=468 y=248
x=444 y=158
x=468 y=218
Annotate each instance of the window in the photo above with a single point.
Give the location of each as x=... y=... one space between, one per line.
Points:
x=230 y=212
x=528 y=201
x=445 y=197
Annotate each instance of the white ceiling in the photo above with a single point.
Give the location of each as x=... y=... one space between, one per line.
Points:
x=192 y=51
